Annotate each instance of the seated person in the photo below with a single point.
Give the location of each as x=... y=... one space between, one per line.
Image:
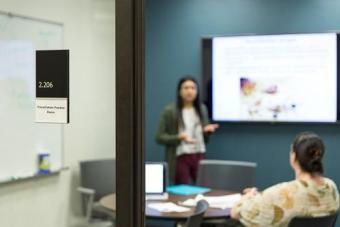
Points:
x=310 y=194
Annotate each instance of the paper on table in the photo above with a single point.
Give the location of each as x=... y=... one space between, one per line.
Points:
x=167 y=207
x=222 y=202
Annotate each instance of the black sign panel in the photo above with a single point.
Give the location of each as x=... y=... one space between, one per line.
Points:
x=52 y=86
x=52 y=74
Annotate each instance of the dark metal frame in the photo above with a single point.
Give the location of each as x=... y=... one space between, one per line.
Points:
x=130 y=113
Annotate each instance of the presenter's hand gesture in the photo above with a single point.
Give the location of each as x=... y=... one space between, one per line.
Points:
x=185 y=138
x=210 y=128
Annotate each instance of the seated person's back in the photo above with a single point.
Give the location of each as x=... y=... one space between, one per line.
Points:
x=310 y=194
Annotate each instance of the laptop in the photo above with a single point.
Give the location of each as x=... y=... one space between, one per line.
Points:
x=156 y=181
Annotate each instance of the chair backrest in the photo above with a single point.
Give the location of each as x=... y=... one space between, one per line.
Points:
x=226 y=175
x=327 y=221
x=196 y=218
x=99 y=175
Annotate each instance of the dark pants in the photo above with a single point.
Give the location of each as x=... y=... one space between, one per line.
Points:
x=187 y=167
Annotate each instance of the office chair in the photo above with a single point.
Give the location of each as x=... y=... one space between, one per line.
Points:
x=226 y=175
x=97 y=179
x=327 y=221
x=196 y=218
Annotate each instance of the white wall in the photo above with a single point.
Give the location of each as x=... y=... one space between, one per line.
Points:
x=89 y=32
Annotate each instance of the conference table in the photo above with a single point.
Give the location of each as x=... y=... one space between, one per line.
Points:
x=109 y=202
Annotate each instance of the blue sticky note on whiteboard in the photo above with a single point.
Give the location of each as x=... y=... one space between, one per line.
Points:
x=184 y=189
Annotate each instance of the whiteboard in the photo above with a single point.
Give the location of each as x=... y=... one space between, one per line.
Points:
x=21 y=139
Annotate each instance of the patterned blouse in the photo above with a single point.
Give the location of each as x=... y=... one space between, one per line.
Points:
x=277 y=205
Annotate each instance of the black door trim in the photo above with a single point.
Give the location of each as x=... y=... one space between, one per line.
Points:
x=130 y=113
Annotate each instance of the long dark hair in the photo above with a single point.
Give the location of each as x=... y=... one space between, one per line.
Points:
x=309 y=149
x=179 y=101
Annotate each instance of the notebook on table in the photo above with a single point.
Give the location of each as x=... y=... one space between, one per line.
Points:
x=184 y=189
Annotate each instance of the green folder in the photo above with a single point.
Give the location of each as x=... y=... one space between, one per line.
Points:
x=184 y=189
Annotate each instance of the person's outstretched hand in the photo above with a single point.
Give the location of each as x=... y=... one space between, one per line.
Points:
x=185 y=138
x=210 y=128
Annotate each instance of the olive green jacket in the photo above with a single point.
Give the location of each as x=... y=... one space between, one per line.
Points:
x=167 y=134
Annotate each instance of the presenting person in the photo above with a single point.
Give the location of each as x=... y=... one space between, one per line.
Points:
x=309 y=195
x=183 y=129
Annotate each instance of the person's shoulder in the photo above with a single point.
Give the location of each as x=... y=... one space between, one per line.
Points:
x=170 y=109
x=330 y=182
x=204 y=109
x=281 y=186
x=203 y=106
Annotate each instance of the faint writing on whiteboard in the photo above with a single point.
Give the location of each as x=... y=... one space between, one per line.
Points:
x=16 y=75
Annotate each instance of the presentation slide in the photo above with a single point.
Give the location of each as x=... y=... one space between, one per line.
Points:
x=285 y=78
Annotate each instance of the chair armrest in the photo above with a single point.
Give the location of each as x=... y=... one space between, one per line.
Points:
x=87 y=191
x=87 y=198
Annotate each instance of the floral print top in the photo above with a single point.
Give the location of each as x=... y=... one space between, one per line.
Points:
x=277 y=205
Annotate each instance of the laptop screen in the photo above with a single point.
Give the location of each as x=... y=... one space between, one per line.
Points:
x=155 y=178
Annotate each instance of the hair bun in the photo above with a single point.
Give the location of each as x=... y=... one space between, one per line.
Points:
x=316 y=154
x=315 y=165
x=309 y=149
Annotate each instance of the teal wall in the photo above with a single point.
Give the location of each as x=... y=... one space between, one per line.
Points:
x=174 y=29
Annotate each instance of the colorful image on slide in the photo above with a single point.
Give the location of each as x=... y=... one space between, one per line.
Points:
x=266 y=98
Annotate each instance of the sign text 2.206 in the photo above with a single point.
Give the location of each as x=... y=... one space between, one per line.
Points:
x=45 y=84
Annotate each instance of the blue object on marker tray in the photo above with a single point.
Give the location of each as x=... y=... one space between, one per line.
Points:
x=44 y=163
x=184 y=189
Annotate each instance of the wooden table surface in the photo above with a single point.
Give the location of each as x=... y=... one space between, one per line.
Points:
x=109 y=202
x=211 y=213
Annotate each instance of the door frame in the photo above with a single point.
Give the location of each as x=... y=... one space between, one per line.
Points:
x=130 y=199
